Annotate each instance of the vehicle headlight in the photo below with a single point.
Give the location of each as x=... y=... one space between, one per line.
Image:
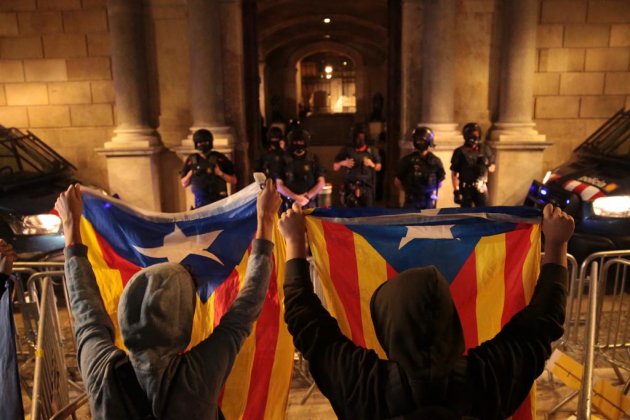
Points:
x=37 y=224
x=616 y=206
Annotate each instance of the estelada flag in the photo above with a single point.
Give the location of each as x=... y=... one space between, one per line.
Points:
x=490 y=257
x=215 y=241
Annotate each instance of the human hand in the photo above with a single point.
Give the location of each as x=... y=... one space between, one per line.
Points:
x=69 y=206
x=302 y=200
x=269 y=201
x=492 y=168
x=348 y=163
x=557 y=226
x=368 y=162
x=293 y=226
x=217 y=171
x=7 y=257
x=457 y=197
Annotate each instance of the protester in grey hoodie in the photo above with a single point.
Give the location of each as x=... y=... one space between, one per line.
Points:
x=155 y=314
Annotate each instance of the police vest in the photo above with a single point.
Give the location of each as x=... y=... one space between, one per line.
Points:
x=361 y=172
x=422 y=174
x=299 y=172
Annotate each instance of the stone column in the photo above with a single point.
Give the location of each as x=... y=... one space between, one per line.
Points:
x=437 y=110
x=518 y=145
x=206 y=80
x=132 y=153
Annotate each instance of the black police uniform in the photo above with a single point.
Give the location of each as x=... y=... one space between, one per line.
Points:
x=360 y=180
x=420 y=177
x=206 y=186
x=270 y=162
x=471 y=163
x=300 y=174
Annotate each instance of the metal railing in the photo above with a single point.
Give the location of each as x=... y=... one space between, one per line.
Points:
x=43 y=340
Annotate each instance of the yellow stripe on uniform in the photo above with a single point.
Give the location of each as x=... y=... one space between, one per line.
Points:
x=317 y=243
x=490 y=260
x=283 y=359
x=236 y=388
x=108 y=279
x=372 y=271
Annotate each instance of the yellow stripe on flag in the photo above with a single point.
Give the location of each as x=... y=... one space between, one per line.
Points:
x=283 y=359
x=108 y=279
x=235 y=392
x=490 y=257
x=317 y=243
x=372 y=271
x=531 y=267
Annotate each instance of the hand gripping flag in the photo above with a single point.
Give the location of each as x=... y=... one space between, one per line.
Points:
x=489 y=256
x=215 y=241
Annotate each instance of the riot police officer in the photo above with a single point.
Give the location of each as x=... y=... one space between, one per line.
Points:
x=270 y=160
x=470 y=166
x=208 y=171
x=421 y=173
x=300 y=176
x=360 y=162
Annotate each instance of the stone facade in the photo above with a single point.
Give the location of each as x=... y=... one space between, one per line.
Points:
x=583 y=73
x=55 y=72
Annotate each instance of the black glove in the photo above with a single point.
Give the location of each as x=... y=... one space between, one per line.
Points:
x=457 y=196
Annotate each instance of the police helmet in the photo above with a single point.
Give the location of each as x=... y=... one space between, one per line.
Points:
x=423 y=138
x=203 y=139
x=298 y=138
x=274 y=135
x=468 y=132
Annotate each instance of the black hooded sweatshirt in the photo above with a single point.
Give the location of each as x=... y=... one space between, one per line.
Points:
x=427 y=375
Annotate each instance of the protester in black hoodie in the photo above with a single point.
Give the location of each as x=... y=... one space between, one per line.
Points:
x=427 y=375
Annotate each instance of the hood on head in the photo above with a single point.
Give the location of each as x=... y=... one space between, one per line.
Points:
x=416 y=323
x=156 y=310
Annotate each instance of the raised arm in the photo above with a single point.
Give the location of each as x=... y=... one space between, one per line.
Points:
x=507 y=366
x=357 y=383
x=216 y=354
x=93 y=327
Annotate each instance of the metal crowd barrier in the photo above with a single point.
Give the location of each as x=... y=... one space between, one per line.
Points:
x=597 y=328
x=608 y=330
x=42 y=341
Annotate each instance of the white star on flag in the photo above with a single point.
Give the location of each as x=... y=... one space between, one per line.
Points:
x=178 y=246
x=426 y=232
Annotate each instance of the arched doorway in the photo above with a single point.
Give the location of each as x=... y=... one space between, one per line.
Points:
x=326 y=84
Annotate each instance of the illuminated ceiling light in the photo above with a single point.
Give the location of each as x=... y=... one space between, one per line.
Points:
x=345 y=63
x=328 y=69
x=327 y=36
x=326 y=20
x=329 y=76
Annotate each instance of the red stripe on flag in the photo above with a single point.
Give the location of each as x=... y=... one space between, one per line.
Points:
x=115 y=261
x=224 y=295
x=524 y=412
x=343 y=272
x=267 y=329
x=517 y=244
x=391 y=273
x=464 y=292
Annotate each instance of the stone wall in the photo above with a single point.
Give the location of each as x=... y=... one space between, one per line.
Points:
x=56 y=79
x=583 y=70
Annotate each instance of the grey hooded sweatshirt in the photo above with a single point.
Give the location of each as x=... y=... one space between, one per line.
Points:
x=155 y=315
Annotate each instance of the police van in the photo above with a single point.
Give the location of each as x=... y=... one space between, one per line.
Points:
x=593 y=186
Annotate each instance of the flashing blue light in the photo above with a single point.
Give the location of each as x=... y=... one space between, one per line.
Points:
x=568 y=200
x=543 y=191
